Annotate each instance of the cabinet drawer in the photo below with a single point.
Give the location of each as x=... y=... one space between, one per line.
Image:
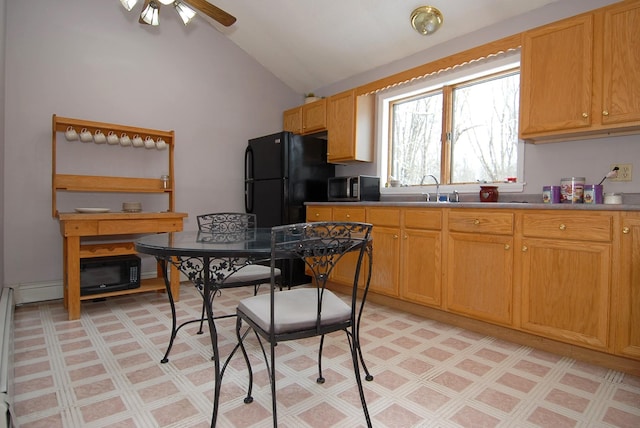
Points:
x=383 y=216
x=119 y=227
x=498 y=223
x=582 y=227
x=318 y=213
x=349 y=214
x=423 y=219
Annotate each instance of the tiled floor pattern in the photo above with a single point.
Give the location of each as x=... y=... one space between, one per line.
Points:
x=104 y=371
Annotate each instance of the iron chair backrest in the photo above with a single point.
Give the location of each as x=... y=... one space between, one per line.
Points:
x=321 y=245
x=226 y=222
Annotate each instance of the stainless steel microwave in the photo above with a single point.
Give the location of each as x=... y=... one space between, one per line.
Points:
x=353 y=188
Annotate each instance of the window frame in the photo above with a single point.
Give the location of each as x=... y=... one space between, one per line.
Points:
x=444 y=81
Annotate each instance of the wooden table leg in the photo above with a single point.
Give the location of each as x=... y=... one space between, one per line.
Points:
x=72 y=273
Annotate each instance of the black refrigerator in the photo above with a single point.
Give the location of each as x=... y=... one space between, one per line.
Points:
x=282 y=172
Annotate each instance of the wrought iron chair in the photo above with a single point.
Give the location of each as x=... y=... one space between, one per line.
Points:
x=310 y=311
x=228 y=226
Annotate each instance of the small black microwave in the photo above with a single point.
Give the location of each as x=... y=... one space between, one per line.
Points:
x=105 y=274
x=354 y=188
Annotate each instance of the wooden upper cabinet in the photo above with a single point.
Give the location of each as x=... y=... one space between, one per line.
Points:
x=621 y=64
x=292 y=120
x=306 y=119
x=314 y=116
x=350 y=121
x=579 y=76
x=556 y=77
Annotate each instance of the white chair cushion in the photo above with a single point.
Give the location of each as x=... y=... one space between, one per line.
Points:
x=251 y=273
x=295 y=309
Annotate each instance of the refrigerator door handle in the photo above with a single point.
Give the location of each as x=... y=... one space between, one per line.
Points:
x=248 y=180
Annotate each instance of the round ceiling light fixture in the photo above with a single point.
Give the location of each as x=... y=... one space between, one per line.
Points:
x=426 y=20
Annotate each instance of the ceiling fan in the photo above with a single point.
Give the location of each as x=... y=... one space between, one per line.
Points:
x=185 y=8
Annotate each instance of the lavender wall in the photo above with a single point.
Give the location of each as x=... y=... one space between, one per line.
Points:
x=93 y=60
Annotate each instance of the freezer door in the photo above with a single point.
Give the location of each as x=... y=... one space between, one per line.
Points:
x=268 y=156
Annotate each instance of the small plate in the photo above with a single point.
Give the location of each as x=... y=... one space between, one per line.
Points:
x=92 y=210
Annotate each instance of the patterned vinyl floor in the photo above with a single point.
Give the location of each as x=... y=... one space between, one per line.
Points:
x=104 y=370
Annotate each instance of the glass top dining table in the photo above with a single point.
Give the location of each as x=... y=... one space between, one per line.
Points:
x=207 y=259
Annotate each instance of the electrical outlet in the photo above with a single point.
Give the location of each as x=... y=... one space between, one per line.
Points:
x=624 y=173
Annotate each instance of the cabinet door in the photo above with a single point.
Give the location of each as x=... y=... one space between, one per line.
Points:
x=565 y=290
x=314 y=116
x=345 y=269
x=628 y=296
x=386 y=260
x=556 y=77
x=621 y=79
x=292 y=120
x=480 y=276
x=341 y=127
x=421 y=272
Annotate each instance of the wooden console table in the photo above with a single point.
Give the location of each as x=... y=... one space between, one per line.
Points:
x=75 y=226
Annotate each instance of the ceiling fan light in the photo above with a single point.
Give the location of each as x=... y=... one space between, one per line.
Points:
x=128 y=4
x=150 y=14
x=166 y=2
x=185 y=12
x=426 y=20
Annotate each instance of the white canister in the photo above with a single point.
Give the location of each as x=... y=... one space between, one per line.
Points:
x=613 y=198
x=572 y=190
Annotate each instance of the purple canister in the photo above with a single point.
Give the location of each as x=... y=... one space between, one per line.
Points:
x=593 y=194
x=551 y=194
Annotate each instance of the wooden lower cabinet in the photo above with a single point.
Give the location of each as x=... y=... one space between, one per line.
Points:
x=479 y=264
x=565 y=291
x=480 y=276
x=569 y=277
x=344 y=271
x=386 y=250
x=627 y=292
x=421 y=256
x=566 y=277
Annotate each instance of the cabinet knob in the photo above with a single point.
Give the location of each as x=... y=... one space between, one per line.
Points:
x=395 y=236
x=348 y=215
x=562 y=226
x=507 y=246
x=317 y=214
x=476 y=221
x=524 y=249
x=585 y=115
x=406 y=237
x=605 y=113
x=625 y=230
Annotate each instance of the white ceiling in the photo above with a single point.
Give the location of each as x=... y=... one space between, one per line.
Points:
x=309 y=44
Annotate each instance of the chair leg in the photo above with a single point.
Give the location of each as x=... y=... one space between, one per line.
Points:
x=273 y=384
x=248 y=399
x=368 y=376
x=320 y=377
x=355 y=354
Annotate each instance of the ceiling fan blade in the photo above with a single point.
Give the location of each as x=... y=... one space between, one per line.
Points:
x=212 y=11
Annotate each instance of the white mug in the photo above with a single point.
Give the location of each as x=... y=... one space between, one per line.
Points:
x=161 y=144
x=112 y=138
x=125 y=140
x=149 y=143
x=85 y=135
x=70 y=134
x=99 y=137
x=137 y=141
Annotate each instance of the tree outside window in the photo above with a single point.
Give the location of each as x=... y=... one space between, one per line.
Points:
x=462 y=133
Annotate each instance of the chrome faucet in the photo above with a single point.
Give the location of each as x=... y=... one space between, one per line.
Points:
x=437 y=185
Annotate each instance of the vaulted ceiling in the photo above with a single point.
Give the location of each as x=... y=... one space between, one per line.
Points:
x=310 y=44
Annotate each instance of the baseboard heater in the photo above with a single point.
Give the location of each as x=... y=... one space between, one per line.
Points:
x=6 y=355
